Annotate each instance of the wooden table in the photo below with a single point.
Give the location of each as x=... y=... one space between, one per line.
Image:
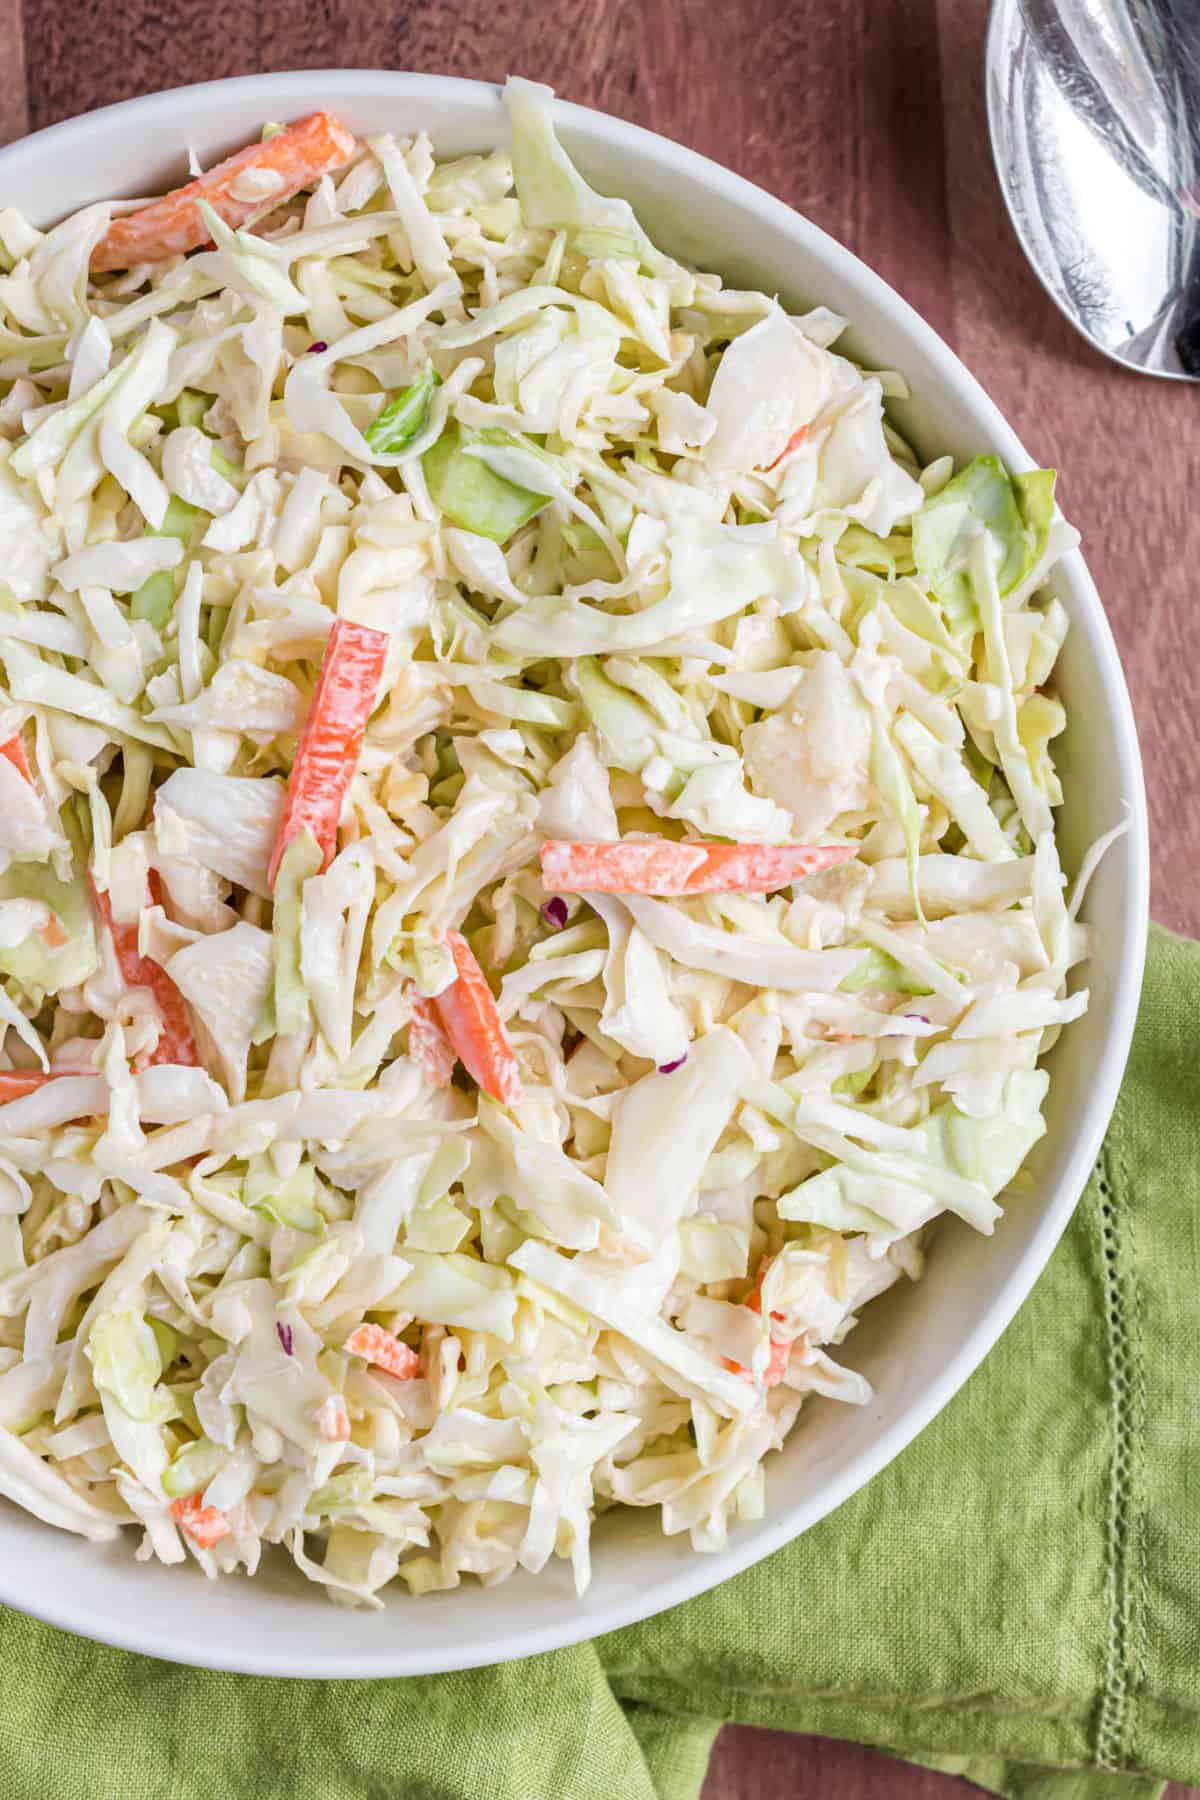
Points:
x=868 y=116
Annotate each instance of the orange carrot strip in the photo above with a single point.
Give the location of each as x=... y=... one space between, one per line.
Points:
x=15 y=1086
x=429 y=1046
x=327 y=754
x=777 y=1364
x=793 y=443
x=205 y=1525
x=175 y=1041
x=16 y=1083
x=781 y=1350
x=383 y=1348
x=14 y=750
x=332 y=1420
x=661 y=866
x=298 y=156
x=470 y=1020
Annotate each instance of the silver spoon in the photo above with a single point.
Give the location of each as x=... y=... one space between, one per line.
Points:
x=1094 y=111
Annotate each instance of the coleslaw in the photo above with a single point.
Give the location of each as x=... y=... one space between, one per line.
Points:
x=527 y=863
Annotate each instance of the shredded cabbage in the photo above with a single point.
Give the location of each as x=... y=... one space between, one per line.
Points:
x=652 y=566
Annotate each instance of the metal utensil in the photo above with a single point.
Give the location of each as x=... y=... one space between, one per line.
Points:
x=1094 y=112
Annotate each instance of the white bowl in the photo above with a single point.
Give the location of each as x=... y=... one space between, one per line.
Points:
x=918 y=1344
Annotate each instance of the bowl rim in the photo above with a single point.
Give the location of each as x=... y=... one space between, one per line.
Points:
x=169 y=108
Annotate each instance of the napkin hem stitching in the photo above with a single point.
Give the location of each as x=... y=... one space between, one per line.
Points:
x=1115 y=1706
x=665 y=1695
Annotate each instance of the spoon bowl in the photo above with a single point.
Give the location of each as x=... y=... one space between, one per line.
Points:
x=1094 y=113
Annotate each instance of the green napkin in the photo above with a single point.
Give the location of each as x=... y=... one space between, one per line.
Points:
x=1016 y=1599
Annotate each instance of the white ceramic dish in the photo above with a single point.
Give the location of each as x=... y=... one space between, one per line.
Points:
x=918 y=1344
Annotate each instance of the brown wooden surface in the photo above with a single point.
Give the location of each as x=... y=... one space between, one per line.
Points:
x=867 y=115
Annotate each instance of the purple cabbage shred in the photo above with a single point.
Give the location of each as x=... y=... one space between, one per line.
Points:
x=670 y=1068
x=555 y=912
x=285 y=1337
x=316 y=350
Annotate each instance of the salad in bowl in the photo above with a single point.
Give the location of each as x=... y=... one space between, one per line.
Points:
x=528 y=875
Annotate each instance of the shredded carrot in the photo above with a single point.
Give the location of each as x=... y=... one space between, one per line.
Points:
x=793 y=443
x=16 y=1083
x=429 y=1046
x=777 y=1364
x=175 y=1041
x=332 y=1419
x=781 y=1350
x=385 y=1350
x=297 y=157
x=205 y=1525
x=53 y=934
x=327 y=754
x=14 y=750
x=467 y=1010
x=662 y=866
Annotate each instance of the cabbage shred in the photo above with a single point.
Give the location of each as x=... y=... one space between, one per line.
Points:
x=651 y=560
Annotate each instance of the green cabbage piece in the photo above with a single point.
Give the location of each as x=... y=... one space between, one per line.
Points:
x=126 y=1363
x=857 y=1081
x=954 y=1162
x=190 y=409
x=436 y=1225
x=155 y=599
x=404 y=417
x=468 y=492
x=628 y=729
x=891 y=778
x=549 y=187
x=879 y=970
x=193 y=1468
x=456 y=1289
x=301 y=859
x=290 y=1202
x=713 y=1249
x=345 y=1493
x=54 y=435
x=1015 y=511
x=552 y=191
x=37 y=966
